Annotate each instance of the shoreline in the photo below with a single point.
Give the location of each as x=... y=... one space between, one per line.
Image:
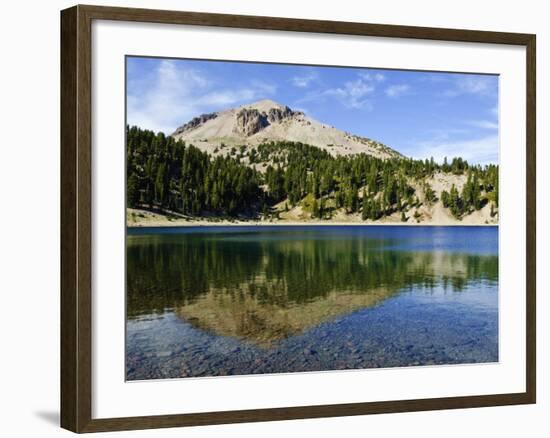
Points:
x=195 y=224
x=147 y=219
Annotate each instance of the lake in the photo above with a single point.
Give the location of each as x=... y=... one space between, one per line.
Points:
x=213 y=301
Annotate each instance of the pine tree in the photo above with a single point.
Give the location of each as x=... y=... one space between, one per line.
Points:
x=366 y=212
x=429 y=194
x=315 y=209
x=445 y=199
x=377 y=209
x=132 y=191
x=455 y=202
x=351 y=200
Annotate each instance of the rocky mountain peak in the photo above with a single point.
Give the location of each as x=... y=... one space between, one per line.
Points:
x=264 y=121
x=252 y=118
x=250 y=121
x=195 y=122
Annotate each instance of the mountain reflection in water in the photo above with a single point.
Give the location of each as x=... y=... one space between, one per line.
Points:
x=262 y=286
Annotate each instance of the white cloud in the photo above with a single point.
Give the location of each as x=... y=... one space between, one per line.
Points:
x=355 y=94
x=263 y=87
x=483 y=124
x=159 y=101
x=224 y=98
x=482 y=150
x=376 y=77
x=472 y=84
x=304 y=80
x=173 y=94
x=444 y=134
x=397 y=90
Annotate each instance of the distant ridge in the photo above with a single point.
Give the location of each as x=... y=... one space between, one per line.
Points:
x=265 y=121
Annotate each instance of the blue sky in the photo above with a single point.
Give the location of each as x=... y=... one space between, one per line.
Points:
x=420 y=114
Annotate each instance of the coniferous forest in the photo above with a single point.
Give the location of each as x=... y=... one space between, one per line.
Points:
x=169 y=176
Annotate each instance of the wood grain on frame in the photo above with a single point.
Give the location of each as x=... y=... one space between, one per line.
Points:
x=76 y=225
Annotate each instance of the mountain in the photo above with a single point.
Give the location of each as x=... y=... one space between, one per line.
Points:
x=265 y=121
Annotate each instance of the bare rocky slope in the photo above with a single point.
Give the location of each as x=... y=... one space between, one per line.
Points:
x=266 y=121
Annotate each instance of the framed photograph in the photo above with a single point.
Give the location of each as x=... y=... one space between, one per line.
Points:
x=269 y=218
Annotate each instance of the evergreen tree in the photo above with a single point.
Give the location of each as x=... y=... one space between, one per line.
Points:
x=455 y=202
x=429 y=194
x=132 y=191
x=445 y=199
x=366 y=212
x=315 y=209
x=161 y=185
